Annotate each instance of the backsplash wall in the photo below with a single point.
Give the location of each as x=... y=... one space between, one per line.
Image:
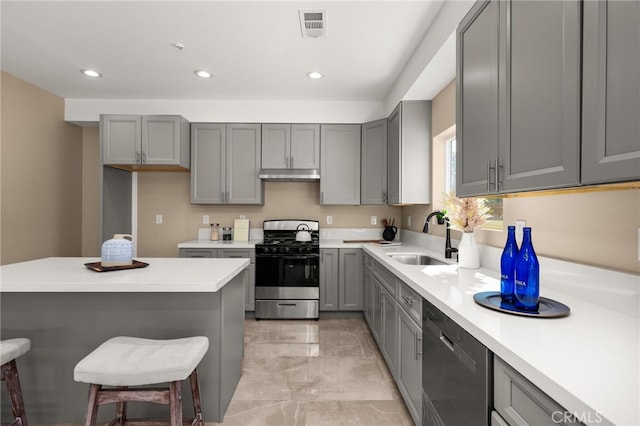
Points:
x=169 y=194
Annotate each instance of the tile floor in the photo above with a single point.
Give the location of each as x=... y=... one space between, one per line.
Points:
x=327 y=372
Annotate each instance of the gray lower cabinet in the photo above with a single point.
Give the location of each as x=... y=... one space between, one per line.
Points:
x=329 y=277
x=350 y=297
x=409 y=153
x=341 y=280
x=373 y=174
x=520 y=403
x=130 y=140
x=225 y=164
x=611 y=91
x=250 y=278
x=409 y=376
x=518 y=97
x=389 y=330
x=340 y=164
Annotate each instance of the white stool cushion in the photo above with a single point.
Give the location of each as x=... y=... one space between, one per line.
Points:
x=13 y=348
x=131 y=361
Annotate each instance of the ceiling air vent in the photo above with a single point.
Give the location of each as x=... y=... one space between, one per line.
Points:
x=313 y=23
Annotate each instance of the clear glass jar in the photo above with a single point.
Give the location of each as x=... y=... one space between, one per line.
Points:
x=214 y=231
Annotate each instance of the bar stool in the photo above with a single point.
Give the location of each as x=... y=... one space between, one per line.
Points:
x=126 y=363
x=9 y=351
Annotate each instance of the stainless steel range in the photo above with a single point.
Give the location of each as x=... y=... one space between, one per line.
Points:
x=288 y=270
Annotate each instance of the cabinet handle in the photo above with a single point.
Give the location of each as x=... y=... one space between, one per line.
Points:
x=409 y=300
x=497 y=175
x=418 y=351
x=138 y=156
x=144 y=157
x=384 y=197
x=489 y=168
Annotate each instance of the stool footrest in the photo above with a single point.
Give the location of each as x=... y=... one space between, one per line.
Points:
x=158 y=422
x=156 y=395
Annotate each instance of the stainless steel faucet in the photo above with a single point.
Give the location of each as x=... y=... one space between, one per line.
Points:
x=442 y=220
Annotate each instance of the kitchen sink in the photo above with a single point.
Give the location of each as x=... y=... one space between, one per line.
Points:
x=415 y=259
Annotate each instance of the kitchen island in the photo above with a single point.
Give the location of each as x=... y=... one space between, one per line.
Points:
x=67 y=310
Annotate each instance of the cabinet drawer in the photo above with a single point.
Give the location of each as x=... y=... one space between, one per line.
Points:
x=198 y=253
x=521 y=403
x=240 y=253
x=411 y=302
x=386 y=278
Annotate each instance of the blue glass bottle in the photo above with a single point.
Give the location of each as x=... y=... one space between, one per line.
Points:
x=508 y=266
x=527 y=277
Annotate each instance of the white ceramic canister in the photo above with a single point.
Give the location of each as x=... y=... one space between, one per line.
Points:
x=118 y=251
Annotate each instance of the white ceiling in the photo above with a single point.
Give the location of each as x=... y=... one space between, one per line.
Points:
x=253 y=49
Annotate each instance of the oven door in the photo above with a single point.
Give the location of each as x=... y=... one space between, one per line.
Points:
x=285 y=270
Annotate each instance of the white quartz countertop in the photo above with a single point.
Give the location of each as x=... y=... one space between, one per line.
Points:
x=588 y=362
x=171 y=275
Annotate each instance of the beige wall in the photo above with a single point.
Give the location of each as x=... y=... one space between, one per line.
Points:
x=90 y=193
x=169 y=194
x=41 y=175
x=595 y=228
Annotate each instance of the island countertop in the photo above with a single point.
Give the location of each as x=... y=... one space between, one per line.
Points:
x=167 y=275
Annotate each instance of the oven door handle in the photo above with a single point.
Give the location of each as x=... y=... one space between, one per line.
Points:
x=290 y=256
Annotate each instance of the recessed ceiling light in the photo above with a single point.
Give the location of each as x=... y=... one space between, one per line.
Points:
x=314 y=75
x=91 y=73
x=202 y=73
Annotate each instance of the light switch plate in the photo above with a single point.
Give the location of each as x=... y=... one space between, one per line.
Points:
x=205 y=219
x=329 y=220
x=374 y=220
x=408 y=220
x=159 y=219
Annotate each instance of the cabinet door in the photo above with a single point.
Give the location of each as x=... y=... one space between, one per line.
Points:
x=350 y=282
x=276 y=146
x=340 y=164
x=374 y=163
x=208 y=151
x=121 y=137
x=410 y=363
x=329 y=260
x=611 y=92
x=305 y=146
x=250 y=283
x=477 y=100
x=389 y=331
x=243 y=165
x=539 y=136
x=161 y=139
x=376 y=311
x=368 y=299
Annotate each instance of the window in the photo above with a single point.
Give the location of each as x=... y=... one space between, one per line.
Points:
x=494 y=203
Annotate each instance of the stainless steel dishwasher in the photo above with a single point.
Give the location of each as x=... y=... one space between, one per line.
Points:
x=456 y=373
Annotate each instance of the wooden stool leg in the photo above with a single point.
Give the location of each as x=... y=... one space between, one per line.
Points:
x=92 y=406
x=121 y=410
x=175 y=402
x=197 y=403
x=10 y=376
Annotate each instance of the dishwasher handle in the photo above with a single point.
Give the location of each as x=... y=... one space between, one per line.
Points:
x=456 y=350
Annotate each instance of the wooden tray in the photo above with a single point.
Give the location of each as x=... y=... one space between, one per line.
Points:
x=97 y=266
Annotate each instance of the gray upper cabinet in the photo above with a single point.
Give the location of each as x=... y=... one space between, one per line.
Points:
x=518 y=108
x=539 y=103
x=409 y=153
x=611 y=92
x=340 y=164
x=477 y=98
x=290 y=146
x=155 y=140
x=226 y=162
x=374 y=163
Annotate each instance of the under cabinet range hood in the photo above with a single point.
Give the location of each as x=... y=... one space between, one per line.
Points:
x=290 y=175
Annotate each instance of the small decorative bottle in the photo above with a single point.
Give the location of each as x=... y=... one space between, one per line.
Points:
x=527 y=277
x=214 y=232
x=508 y=265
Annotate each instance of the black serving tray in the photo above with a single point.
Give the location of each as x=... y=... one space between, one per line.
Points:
x=97 y=266
x=547 y=308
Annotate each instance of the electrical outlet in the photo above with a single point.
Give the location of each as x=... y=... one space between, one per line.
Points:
x=374 y=220
x=205 y=219
x=408 y=220
x=158 y=219
x=329 y=220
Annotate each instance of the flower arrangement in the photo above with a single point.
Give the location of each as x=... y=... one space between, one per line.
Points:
x=465 y=214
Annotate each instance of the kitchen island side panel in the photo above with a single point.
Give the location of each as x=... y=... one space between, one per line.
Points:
x=65 y=327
